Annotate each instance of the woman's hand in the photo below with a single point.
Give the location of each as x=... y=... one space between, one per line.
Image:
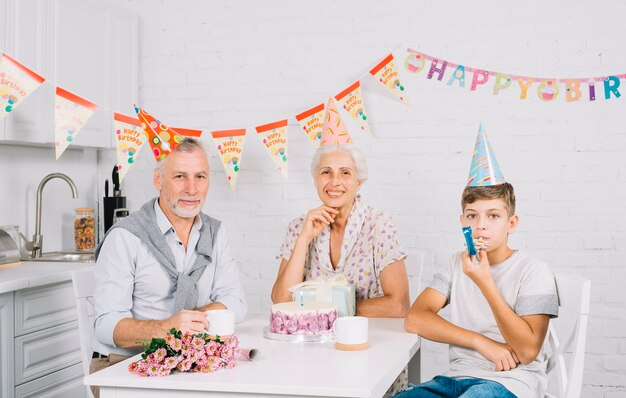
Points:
x=316 y=220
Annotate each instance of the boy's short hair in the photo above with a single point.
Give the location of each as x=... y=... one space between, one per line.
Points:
x=501 y=191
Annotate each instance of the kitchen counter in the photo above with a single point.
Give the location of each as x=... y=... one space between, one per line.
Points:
x=37 y=273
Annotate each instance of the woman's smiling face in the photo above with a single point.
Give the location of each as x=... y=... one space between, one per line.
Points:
x=336 y=181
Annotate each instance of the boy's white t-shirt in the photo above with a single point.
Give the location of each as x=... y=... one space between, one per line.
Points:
x=527 y=286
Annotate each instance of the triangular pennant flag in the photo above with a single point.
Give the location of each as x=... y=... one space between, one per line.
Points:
x=130 y=138
x=71 y=112
x=274 y=137
x=386 y=74
x=162 y=138
x=334 y=130
x=229 y=144
x=16 y=83
x=312 y=122
x=188 y=132
x=484 y=170
x=352 y=102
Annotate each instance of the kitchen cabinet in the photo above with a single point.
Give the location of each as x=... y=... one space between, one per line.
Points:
x=40 y=343
x=88 y=47
x=6 y=345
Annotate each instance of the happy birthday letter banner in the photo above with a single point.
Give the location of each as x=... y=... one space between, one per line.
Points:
x=71 y=112
x=274 y=137
x=16 y=83
x=229 y=144
x=130 y=138
x=547 y=89
x=352 y=102
x=386 y=74
x=312 y=121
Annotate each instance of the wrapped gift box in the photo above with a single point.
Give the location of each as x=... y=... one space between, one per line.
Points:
x=336 y=290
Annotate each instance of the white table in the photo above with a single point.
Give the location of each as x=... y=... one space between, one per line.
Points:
x=283 y=368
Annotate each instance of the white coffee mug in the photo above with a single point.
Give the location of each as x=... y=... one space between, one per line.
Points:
x=221 y=322
x=351 y=331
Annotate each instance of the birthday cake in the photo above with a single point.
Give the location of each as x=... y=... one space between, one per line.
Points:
x=311 y=317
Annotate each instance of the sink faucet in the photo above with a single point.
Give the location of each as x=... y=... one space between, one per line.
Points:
x=35 y=245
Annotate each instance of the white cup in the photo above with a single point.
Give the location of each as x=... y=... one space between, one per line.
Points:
x=351 y=330
x=221 y=322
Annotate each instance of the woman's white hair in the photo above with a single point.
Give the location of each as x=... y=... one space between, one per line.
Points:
x=359 y=159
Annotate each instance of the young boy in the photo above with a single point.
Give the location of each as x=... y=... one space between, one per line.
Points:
x=501 y=302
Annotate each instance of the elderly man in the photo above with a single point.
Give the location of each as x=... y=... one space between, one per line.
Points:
x=164 y=265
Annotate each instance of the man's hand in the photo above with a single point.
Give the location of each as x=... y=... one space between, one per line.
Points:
x=193 y=322
x=479 y=273
x=501 y=355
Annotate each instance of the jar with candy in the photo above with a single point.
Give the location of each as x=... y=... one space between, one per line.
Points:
x=85 y=229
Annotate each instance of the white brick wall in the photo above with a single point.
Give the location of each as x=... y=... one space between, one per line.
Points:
x=227 y=64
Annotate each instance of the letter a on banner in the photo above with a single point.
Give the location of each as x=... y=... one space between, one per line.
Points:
x=130 y=138
x=229 y=144
x=387 y=75
x=16 y=83
x=274 y=137
x=71 y=112
x=312 y=121
x=352 y=102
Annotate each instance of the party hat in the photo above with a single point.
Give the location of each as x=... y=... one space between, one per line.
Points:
x=334 y=130
x=163 y=139
x=484 y=170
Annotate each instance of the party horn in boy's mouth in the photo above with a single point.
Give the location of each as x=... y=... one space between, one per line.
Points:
x=471 y=249
x=248 y=354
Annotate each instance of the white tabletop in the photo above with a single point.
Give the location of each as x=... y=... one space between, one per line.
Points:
x=37 y=273
x=282 y=369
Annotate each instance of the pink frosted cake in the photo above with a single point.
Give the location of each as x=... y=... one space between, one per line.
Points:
x=311 y=318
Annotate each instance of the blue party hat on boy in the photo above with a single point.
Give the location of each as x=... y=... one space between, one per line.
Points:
x=484 y=170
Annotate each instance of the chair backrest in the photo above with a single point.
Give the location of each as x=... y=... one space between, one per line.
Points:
x=84 y=285
x=414 y=265
x=566 y=336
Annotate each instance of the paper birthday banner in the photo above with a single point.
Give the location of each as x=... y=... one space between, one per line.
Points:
x=386 y=74
x=71 y=112
x=546 y=89
x=130 y=138
x=188 y=132
x=312 y=121
x=352 y=102
x=16 y=83
x=334 y=130
x=274 y=137
x=229 y=144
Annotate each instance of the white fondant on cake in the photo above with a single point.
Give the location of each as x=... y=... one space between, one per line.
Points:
x=311 y=318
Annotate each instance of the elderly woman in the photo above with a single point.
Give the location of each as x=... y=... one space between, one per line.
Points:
x=345 y=236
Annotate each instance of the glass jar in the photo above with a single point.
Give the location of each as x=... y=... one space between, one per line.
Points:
x=85 y=229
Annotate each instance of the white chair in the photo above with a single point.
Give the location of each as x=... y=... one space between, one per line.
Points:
x=414 y=265
x=84 y=285
x=566 y=337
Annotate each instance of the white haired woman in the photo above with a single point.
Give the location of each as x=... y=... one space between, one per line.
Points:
x=345 y=236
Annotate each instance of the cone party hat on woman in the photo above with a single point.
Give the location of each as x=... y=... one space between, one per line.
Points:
x=162 y=138
x=484 y=170
x=334 y=130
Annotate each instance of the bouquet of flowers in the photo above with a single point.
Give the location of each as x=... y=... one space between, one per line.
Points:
x=187 y=353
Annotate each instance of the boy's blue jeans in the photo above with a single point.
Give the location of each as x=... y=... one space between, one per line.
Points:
x=450 y=387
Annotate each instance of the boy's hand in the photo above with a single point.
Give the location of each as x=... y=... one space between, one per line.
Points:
x=501 y=355
x=479 y=273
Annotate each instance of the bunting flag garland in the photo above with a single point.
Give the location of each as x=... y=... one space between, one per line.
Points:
x=547 y=89
x=274 y=136
x=229 y=144
x=162 y=138
x=130 y=138
x=312 y=121
x=387 y=74
x=16 y=83
x=352 y=102
x=71 y=112
x=484 y=170
x=188 y=132
x=334 y=130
